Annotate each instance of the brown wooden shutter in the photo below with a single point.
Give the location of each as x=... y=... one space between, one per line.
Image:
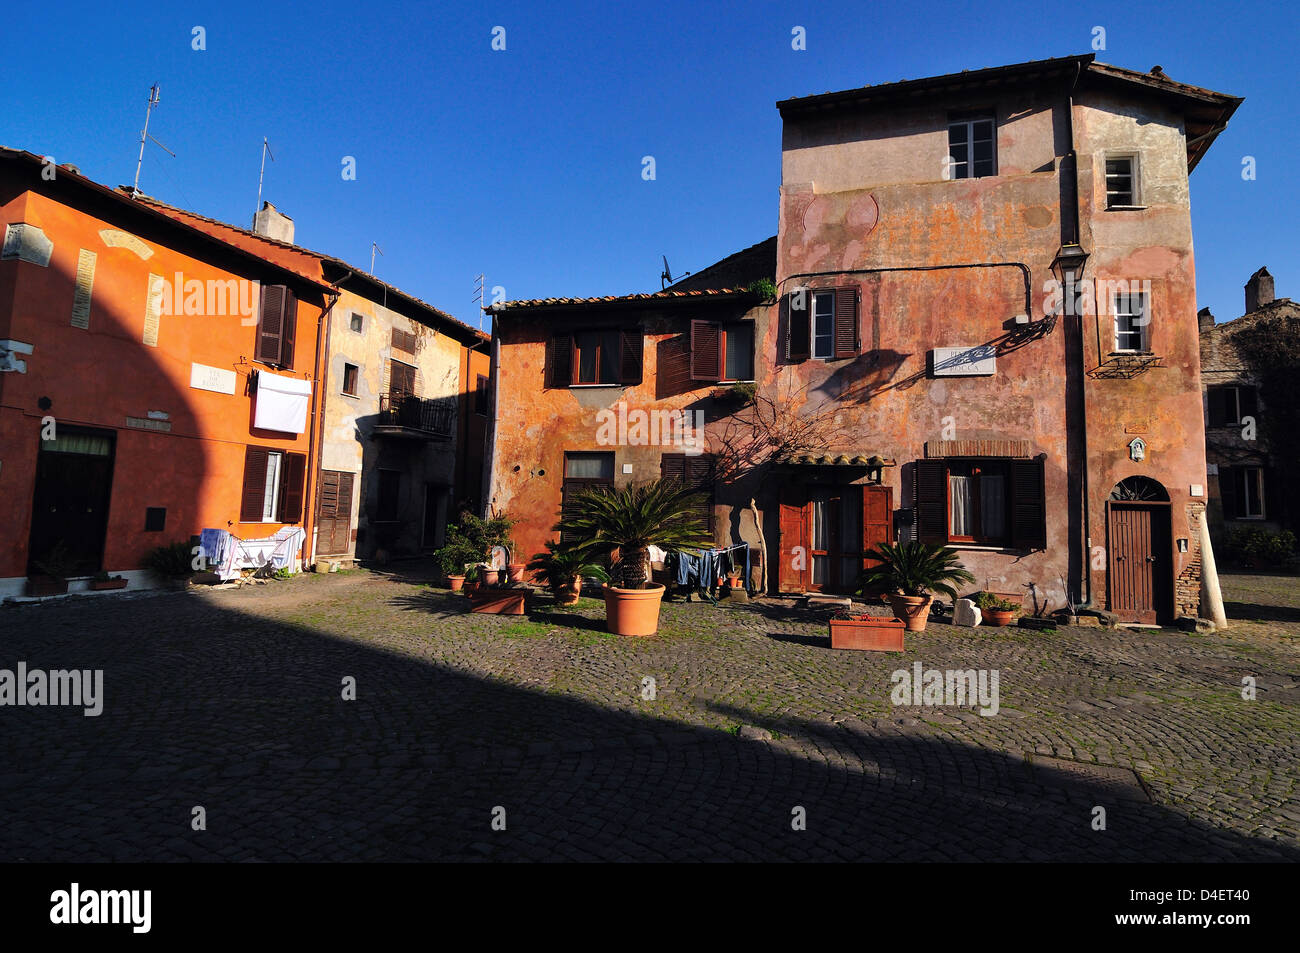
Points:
x=254 y=491
x=1028 y=505
x=877 y=520
x=289 y=329
x=293 y=474
x=706 y=350
x=559 y=360
x=1217 y=398
x=631 y=346
x=1247 y=402
x=270 y=324
x=401 y=378
x=930 y=497
x=798 y=324
x=672 y=466
x=793 y=536
x=1229 y=482
x=343 y=514
x=846 y=322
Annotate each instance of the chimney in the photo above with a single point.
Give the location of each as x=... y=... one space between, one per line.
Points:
x=279 y=226
x=1259 y=290
x=1204 y=320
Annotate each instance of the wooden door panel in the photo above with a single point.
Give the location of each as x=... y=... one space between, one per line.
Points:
x=1133 y=564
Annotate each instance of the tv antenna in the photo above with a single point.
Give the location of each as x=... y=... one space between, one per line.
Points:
x=667 y=278
x=374 y=247
x=266 y=151
x=154 y=99
x=480 y=282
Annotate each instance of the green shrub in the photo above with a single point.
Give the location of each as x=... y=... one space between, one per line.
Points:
x=764 y=288
x=1254 y=546
x=173 y=561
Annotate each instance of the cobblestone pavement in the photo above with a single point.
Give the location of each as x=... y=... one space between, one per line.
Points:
x=231 y=700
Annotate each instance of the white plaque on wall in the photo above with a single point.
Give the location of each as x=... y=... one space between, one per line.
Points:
x=964 y=361
x=203 y=377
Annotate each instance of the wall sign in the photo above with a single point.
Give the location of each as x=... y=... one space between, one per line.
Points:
x=216 y=379
x=978 y=361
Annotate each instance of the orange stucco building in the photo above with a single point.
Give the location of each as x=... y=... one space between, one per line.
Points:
x=143 y=347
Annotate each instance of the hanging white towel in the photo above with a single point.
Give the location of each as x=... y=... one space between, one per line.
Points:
x=282 y=403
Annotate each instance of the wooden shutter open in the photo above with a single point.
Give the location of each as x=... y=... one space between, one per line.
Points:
x=254 y=490
x=270 y=324
x=706 y=350
x=288 y=329
x=877 y=520
x=672 y=466
x=1229 y=483
x=1028 y=505
x=1217 y=400
x=792 y=577
x=846 y=322
x=401 y=378
x=293 y=478
x=798 y=335
x=559 y=360
x=631 y=345
x=930 y=495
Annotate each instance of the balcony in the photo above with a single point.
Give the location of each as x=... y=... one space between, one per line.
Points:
x=414 y=418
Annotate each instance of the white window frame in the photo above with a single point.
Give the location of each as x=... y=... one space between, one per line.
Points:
x=1247 y=473
x=1142 y=328
x=969 y=164
x=817 y=296
x=1135 y=181
x=271 y=490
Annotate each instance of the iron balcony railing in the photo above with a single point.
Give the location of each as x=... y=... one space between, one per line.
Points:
x=415 y=413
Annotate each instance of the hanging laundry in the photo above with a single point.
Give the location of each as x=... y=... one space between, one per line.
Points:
x=282 y=403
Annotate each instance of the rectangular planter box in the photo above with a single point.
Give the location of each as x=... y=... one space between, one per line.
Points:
x=498 y=601
x=108 y=584
x=869 y=635
x=46 y=586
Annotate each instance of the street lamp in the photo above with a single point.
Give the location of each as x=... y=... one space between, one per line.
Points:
x=1068 y=266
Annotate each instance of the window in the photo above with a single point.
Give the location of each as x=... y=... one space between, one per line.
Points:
x=482 y=396
x=696 y=472
x=155 y=519
x=350 y=372
x=722 y=352
x=738 y=351
x=1242 y=492
x=582 y=472
x=1132 y=319
x=983 y=501
x=822 y=324
x=404 y=341
x=1228 y=405
x=357 y=322
x=277 y=322
x=608 y=357
x=401 y=378
x=1121 y=181
x=972 y=151
x=273 y=486
x=388 y=497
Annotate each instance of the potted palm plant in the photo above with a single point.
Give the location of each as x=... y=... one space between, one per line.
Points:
x=631 y=519
x=910 y=573
x=997 y=610
x=561 y=568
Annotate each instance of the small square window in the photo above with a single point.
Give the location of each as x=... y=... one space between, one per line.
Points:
x=824 y=325
x=1132 y=322
x=350 y=372
x=357 y=322
x=972 y=148
x=155 y=519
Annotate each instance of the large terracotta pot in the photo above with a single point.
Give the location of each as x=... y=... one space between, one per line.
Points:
x=488 y=577
x=516 y=572
x=456 y=582
x=499 y=601
x=867 y=634
x=568 y=595
x=998 y=617
x=913 y=610
x=633 y=611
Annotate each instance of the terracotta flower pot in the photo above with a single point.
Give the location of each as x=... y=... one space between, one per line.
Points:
x=998 y=616
x=568 y=595
x=456 y=583
x=99 y=585
x=489 y=577
x=735 y=583
x=499 y=601
x=632 y=611
x=913 y=610
x=46 y=586
x=517 y=572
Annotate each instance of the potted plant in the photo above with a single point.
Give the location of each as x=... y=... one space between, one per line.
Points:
x=866 y=632
x=501 y=600
x=561 y=568
x=996 y=610
x=910 y=573
x=172 y=563
x=488 y=575
x=469 y=541
x=456 y=581
x=50 y=575
x=102 y=580
x=631 y=519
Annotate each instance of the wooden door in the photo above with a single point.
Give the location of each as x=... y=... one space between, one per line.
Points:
x=1140 y=563
x=334 y=513
x=74 y=480
x=877 y=520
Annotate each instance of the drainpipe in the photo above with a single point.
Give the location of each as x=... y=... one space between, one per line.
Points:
x=494 y=369
x=316 y=450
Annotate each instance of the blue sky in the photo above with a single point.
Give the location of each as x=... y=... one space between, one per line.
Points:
x=526 y=164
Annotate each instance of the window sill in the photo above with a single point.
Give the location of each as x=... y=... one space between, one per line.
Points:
x=995 y=548
x=595 y=386
x=344 y=393
x=1126 y=208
